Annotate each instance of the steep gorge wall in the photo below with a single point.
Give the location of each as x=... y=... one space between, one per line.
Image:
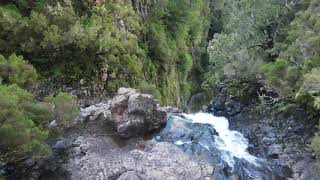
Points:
x=151 y=45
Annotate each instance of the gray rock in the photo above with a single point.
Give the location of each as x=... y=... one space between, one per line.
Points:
x=29 y=162
x=60 y=145
x=170 y=110
x=119 y=103
x=126 y=91
x=129 y=113
x=275 y=149
x=141 y=103
x=158 y=160
x=130 y=175
x=100 y=110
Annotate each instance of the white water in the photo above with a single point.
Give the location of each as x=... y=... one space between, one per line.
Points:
x=231 y=143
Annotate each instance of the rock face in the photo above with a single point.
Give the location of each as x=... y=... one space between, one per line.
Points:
x=130 y=113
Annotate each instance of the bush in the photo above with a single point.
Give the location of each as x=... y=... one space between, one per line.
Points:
x=144 y=87
x=21 y=133
x=17 y=70
x=309 y=92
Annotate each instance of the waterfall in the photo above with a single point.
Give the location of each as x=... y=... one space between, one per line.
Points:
x=230 y=143
x=202 y=135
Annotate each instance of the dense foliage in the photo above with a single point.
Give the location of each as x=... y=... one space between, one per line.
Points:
x=271 y=47
x=20 y=135
x=59 y=42
x=274 y=43
x=23 y=119
x=151 y=45
x=21 y=131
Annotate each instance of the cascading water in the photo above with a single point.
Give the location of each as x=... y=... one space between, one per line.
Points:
x=231 y=143
x=204 y=135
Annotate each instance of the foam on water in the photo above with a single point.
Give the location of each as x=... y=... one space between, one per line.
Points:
x=231 y=143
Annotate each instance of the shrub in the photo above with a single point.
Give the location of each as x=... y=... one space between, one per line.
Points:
x=17 y=70
x=20 y=131
x=144 y=87
x=64 y=108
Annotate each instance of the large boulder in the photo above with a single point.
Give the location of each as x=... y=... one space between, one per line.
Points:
x=130 y=113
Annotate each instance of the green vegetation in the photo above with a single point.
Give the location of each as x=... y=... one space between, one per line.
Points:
x=20 y=135
x=61 y=44
x=155 y=46
x=23 y=119
x=271 y=47
x=168 y=48
x=65 y=109
x=21 y=116
x=115 y=43
x=16 y=70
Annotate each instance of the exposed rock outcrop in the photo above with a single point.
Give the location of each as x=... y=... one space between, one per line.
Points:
x=101 y=158
x=130 y=113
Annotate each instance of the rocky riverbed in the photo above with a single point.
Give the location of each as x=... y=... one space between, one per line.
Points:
x=131 y=137
x=277 y=135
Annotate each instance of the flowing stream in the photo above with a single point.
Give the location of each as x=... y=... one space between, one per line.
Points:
x=231 y=143
x=204 y=135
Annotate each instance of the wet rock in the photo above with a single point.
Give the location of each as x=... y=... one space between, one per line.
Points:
x=199 y=140
x=279 y=136
x=60 y=145
x=2 y=167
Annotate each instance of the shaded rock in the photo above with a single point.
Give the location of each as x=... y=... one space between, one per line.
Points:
x=274 y=151
x=225 y=106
